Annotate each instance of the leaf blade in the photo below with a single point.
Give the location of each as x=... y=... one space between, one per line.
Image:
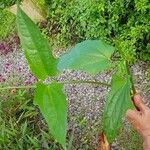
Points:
x=53 y=105
x=36 y=48
x=118 y=102
x=92 y=56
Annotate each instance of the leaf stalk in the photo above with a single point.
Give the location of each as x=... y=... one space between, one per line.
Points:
x=89 y=82
x=62 y=82
x=17 y=87
x=131 y=77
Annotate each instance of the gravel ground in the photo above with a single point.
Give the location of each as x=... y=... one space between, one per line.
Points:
x=86 y=101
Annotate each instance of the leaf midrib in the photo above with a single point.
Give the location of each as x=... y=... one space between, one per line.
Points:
x=32 y=37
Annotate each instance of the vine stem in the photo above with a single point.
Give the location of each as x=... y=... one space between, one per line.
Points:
x=17 y=87
x=67 y=82
x=132 y=83
x=131 y=78
x=90 y=82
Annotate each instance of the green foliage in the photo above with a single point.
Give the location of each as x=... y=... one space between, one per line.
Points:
x=22 y=127
x=53 y=105
x=130 y=139
x=90 y=56
x=36 y=48
x=7 y=23
x=117 y=103
x=41 y=6
x=8 y=3
x=126 y=23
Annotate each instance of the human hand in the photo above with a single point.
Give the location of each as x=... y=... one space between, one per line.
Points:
x=140 y=119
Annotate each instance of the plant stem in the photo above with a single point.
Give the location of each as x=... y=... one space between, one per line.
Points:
x=90 y=82
x=17 y=87
x=63 y=82
x=131 y=78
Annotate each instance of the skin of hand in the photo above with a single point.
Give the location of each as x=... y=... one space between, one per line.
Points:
x=140 y=119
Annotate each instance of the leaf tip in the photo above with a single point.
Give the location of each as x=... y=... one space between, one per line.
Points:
x=104 y=144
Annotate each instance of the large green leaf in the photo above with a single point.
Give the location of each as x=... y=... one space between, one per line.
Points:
x=91 y=56
x=53 y=105
x=118 y=101
x=36 y=48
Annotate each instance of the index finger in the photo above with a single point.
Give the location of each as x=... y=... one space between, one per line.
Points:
x=139 y=103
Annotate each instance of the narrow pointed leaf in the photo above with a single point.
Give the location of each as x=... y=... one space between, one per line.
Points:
x=92 y=56
x=53 y=105
x=36 y=48
x=118 y=102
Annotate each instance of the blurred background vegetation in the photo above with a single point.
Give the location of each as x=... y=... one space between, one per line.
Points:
x=124 y=23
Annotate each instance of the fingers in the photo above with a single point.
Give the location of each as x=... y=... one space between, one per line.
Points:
x=132 y=115
x=139 y=102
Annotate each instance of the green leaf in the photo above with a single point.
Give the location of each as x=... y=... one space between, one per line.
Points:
x=117 y=103
x=53 y=105
x=91 y=56
x=36 y=48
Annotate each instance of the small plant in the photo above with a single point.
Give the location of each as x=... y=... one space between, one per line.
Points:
x=91 y=56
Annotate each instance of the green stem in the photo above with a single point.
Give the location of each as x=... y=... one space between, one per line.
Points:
x=89 y=82
x=131 y=78
x=17 y=87
x=63 y=82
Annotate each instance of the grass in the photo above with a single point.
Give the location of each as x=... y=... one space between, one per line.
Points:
x=7 y=23
x=22 y=126
x=129 y=139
